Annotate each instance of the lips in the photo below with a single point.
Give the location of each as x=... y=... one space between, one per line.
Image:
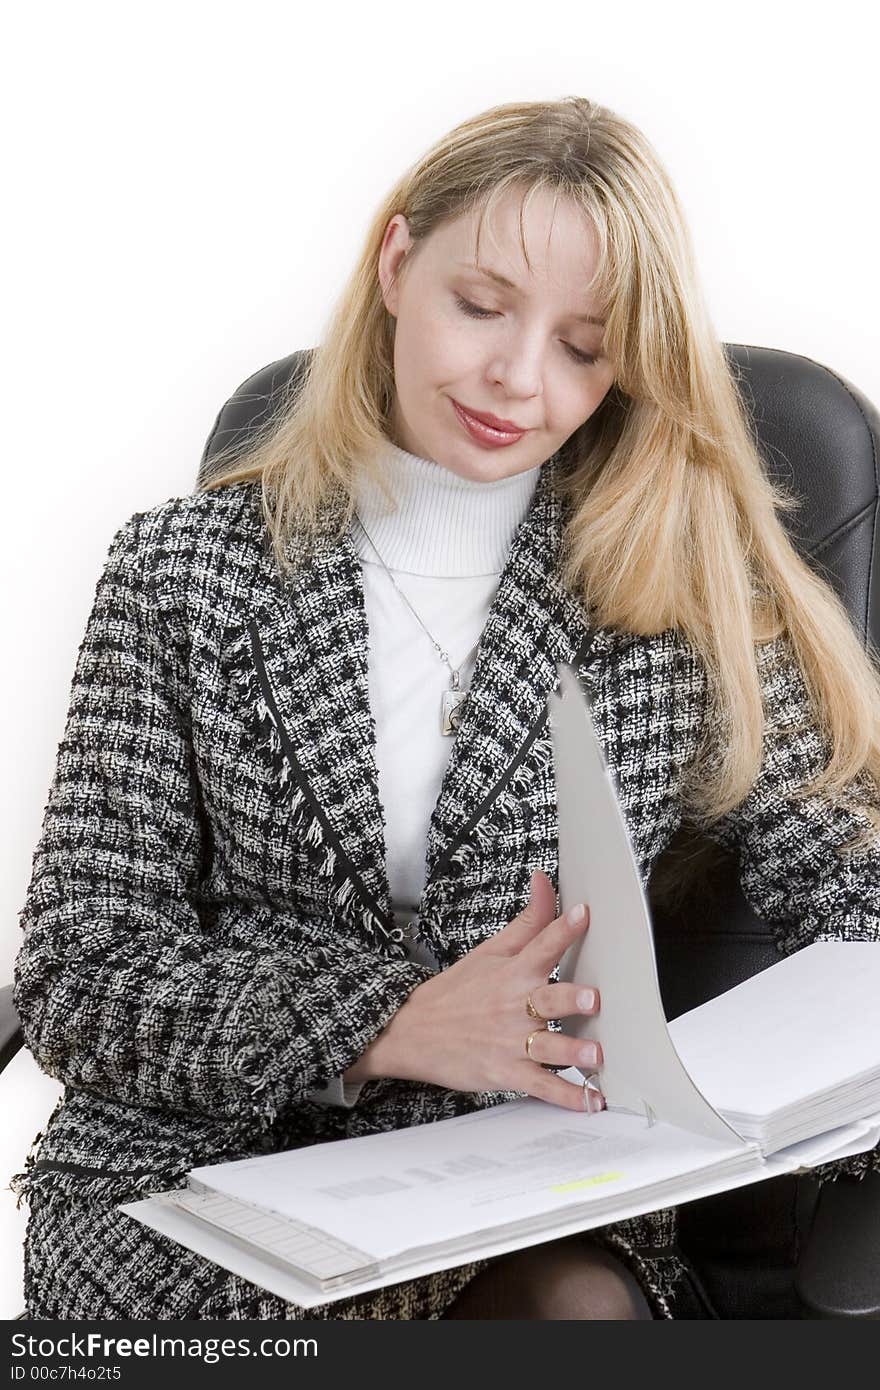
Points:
x=509 y=426
x=487 y=436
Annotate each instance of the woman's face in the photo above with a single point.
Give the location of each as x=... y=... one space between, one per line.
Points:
x=524 y=358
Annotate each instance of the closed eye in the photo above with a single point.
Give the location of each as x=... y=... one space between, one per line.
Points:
x=475 y=312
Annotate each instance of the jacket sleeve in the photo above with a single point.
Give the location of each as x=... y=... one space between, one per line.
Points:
x=125 y=983
x=789 y=869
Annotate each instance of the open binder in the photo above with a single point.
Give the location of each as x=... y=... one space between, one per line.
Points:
x=777 y=1075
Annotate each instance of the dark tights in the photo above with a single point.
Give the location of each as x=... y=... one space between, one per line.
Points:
x=566 y=1279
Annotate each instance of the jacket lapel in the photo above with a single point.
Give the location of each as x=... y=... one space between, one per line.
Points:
x=308 y=641
x=306 y=653
x=533 y=623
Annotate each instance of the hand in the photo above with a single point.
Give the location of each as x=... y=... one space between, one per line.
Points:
x=466 y=1027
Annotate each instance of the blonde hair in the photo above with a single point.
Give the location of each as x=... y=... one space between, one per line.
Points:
x=673 y=521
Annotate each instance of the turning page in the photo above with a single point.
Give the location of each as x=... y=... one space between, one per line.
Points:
x=642 y=1073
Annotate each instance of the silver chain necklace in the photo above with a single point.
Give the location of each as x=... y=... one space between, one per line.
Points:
x=453 y=699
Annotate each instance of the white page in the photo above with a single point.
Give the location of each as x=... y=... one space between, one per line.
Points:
x=387 y=1193
x=213 y=1245
x=286 y=1284
x=788 y=1033
x=642 y=1071
x=843 y=1142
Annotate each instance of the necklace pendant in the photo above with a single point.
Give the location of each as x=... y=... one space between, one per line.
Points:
x=451 y=710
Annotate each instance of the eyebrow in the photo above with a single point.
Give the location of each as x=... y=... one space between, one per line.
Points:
x=509 y=285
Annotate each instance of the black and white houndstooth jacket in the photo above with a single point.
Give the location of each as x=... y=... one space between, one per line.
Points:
x=208 y=933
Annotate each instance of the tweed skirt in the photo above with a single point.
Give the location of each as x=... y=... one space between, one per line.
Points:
x=85 y=1259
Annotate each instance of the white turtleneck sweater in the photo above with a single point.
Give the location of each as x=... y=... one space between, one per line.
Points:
x=446 y=545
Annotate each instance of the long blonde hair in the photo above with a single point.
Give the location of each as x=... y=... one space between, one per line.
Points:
x=673 y=521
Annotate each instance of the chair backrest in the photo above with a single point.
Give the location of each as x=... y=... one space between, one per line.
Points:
x=820 y=436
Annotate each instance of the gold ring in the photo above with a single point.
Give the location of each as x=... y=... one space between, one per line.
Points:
x=529 y=1043
x=532 y=1011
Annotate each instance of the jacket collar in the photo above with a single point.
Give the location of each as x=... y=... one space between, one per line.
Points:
x=303 y=659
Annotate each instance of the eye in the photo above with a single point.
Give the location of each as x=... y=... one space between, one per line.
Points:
x=474 y=311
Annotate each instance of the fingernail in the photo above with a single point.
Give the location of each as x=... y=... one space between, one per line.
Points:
x=590 y=1054
x=596 y=1101
x=576 y=914
x=586 y=999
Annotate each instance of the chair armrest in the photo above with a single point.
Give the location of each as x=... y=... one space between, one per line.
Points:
x=838 y=1274
x=10 y=1029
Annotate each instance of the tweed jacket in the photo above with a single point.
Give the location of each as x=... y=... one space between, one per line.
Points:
x=208 y=931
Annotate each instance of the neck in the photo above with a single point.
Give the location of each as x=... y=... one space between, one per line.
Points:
x=444 y=524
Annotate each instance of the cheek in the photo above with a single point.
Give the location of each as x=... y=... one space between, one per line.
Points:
x=414 y=366
x=592 y=395
x=571 y=400
x=431 y=353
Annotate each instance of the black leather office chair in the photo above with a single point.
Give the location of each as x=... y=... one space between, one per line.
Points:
x=801 y=1254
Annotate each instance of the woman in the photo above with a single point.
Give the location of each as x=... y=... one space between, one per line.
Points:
x=296 y=876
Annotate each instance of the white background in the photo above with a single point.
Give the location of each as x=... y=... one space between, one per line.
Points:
x=188 y=186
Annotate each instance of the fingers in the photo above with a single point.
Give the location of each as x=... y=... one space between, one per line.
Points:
x=540 y=909
x=562 y=999
x=559 y=1050
x=572 y=1095
x=542 y=953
